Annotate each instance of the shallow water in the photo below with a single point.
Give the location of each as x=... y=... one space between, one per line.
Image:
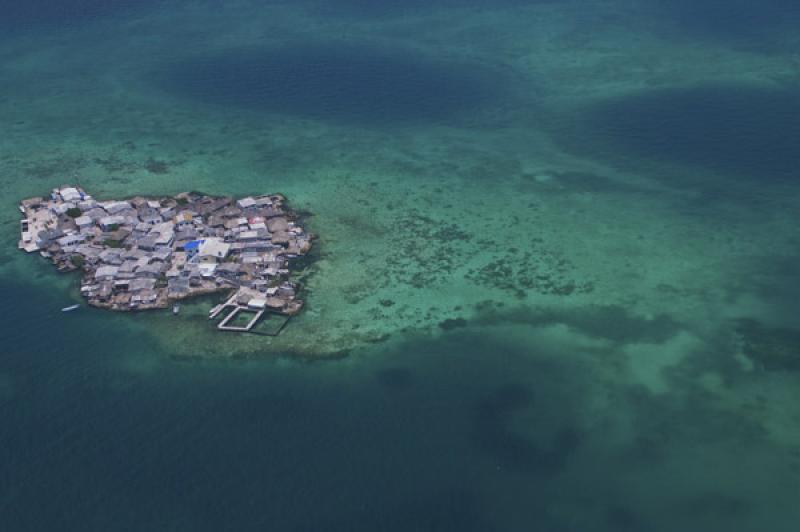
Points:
x=555 y=287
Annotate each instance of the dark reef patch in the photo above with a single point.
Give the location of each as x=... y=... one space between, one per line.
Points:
x=452 y=323
x=746 y=130
x=772 y=348
x=493 y=434
x=336 y=82
x=155 y=166
x=539 y=270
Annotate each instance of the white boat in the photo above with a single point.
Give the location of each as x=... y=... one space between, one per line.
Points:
x=176 y=308
x=70 y=308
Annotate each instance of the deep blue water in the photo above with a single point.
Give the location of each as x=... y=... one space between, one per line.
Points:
x=738 y=131
x=339 y=82
x=59 y=14
x=404 y=444
x=740 y=22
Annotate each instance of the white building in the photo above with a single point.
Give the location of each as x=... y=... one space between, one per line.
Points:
x=212 y=250
x=244 y=203
x=106 y=272
x=70 y=194
x=84 y=222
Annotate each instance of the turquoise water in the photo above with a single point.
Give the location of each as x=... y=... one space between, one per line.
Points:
x=555 y=288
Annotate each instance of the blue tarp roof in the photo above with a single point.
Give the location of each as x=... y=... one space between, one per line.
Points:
x=194 y=244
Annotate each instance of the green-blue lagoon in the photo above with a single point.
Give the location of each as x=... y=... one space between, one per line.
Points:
x=555 y=286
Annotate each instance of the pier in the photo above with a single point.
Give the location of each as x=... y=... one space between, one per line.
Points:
x=223 y=325
x=246 y=300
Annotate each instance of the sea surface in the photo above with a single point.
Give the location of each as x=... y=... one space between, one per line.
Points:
x=556 y=287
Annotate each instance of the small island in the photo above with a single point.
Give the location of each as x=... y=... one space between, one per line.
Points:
x=148 y=253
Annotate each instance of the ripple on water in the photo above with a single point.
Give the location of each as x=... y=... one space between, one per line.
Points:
x=342 y=83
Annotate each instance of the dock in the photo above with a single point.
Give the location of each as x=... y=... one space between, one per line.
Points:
x=223 y=325
x=245 y=300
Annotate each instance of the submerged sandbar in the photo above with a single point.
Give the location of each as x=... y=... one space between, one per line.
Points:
x=146 y=253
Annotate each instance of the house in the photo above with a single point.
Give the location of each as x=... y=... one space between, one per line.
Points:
x=256 y=226
x=257 y=303
x=161 y=255
x=90 y=252
x=216 y=221
x=133 y=254
x=192 y=248
x=167 y=213
x=246 y=236
x=275 y=302
x=84 y=222
x=71 y=240
x=116 y=207
x=151 y=271
x=147 y=243
x=61 y=208
x=128 y=267
x=231 y=212
x=87 y=204
x=151 y=218
x=111 y=256
x=148 y=296
x=104 y=291
x=208 y=269
x=96 y=213
x=70 y=194
x=164 y=239
x=246 y=203
x=286 y=290
x=212 y=250
x=186 y=233
x=228 y=269
x=184 y=219
x=110 y=223
x=144 y=296
x=45 y=238
x=278 y=225
x=178 y=286
x=106 y=273
x=137 y=285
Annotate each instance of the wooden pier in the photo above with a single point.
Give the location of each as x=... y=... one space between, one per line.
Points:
x=235 y=307
x=223 y=325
